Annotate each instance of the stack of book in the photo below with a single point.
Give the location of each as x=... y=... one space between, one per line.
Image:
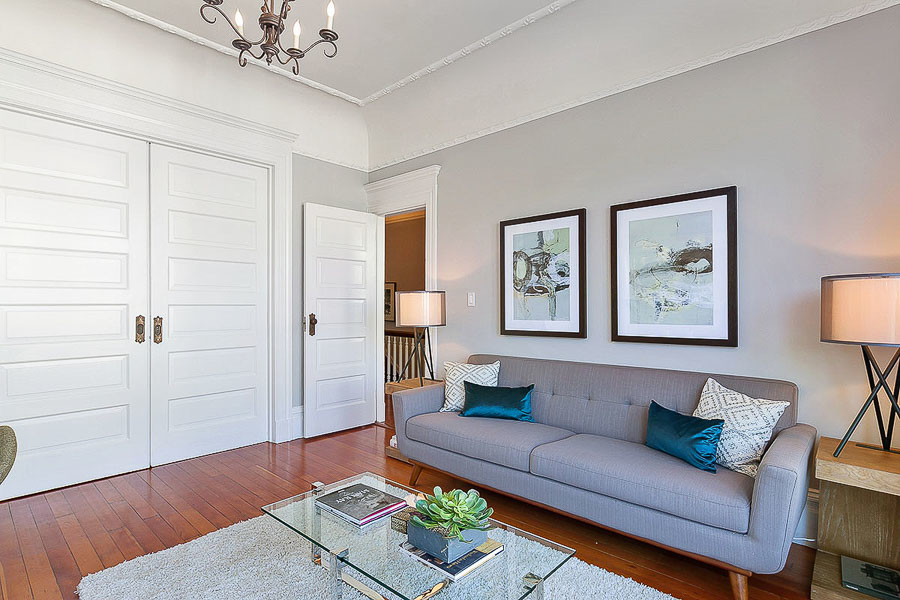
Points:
x=463 y=565
x=360 y=504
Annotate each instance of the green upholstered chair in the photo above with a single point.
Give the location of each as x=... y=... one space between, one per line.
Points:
x=7 y=450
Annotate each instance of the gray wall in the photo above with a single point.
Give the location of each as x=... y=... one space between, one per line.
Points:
x=321 y=183
x=809 y=131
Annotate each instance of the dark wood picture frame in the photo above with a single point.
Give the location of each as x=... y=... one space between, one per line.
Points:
x=581 y=215
x=392 y=314
x=732 y=285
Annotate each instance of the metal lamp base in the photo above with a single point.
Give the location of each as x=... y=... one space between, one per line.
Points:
x=422 y=354
x=877 y=383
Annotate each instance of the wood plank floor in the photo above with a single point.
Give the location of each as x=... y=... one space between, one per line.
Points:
x=48 y=542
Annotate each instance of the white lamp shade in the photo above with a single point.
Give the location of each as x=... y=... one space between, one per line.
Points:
x=861 y=309
x=421 y=309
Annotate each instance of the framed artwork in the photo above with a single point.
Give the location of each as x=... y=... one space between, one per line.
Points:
x=390 y=295
x=542 y=275
x=674 y=269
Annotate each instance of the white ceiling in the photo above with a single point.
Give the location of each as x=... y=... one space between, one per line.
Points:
x=602 y=44
x=381 y=41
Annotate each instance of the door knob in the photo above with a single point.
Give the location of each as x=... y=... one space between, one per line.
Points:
x=139 y=329
x=312 y=323
x=157 y=330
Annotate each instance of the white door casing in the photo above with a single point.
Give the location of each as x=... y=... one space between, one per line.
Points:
x=401 y=193
x=209 y=280
x=74 y=383
x=341 y=288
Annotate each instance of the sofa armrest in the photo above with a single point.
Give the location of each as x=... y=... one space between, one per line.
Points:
x=780 y=491
x=413 y=402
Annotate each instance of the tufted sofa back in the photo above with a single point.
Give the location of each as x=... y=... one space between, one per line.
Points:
x=612 y=401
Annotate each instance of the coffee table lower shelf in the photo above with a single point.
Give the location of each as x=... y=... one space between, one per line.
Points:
x=826 y=581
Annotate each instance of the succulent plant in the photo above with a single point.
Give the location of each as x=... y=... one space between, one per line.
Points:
x=453 y=512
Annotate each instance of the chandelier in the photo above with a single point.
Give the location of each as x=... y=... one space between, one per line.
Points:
x=272 y=25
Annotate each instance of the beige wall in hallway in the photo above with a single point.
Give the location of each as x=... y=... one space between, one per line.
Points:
x=404 y=253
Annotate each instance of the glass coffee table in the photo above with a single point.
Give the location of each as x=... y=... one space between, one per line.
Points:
x=374 y=553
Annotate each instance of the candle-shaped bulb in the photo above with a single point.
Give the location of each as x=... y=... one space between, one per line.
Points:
x=239 y=21
x=330 y=12
x=296 y=34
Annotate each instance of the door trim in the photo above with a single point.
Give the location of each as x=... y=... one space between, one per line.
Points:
x=33 y=86
x=400 y=193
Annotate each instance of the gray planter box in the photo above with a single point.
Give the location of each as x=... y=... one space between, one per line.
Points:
x=446 y=549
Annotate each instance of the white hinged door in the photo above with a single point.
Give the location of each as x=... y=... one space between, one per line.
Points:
x=341 y=298
x=209 y=278
x=74 y=382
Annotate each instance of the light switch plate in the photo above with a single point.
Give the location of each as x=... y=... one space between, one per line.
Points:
x=470 y=299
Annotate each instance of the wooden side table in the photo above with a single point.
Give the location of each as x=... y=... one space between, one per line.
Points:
x=859 y=514
x=389 y=389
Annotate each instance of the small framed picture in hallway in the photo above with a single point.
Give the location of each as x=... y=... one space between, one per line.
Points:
x=390 y=295
x=542 y=275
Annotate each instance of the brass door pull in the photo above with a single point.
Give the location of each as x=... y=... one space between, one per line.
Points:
x=312 y=323
x=139 y=329
x=157 y=330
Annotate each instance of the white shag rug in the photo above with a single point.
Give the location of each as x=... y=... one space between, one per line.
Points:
x=261 y=559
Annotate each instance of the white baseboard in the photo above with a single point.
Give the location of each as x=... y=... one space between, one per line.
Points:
x=290 y=428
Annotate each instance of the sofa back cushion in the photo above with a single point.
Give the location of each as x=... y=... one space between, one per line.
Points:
x=613 y=401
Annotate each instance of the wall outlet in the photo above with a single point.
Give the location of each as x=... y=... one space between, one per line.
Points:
x=470 y=299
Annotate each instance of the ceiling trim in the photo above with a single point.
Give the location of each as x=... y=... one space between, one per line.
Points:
x=330 y=160
x=88 y=84
x=167 y=27
x=803 y=29
x=482 y=43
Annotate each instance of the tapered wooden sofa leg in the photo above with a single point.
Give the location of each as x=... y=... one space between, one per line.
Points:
x=414 y=476
x=740 y=585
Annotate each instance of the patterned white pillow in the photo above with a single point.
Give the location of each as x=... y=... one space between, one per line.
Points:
x=455 y=376
x=748 y=425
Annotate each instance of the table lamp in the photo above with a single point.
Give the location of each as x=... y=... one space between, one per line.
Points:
x=421 y=310
x=864 y=310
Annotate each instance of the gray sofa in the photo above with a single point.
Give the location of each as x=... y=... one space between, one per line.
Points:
x=584 y=456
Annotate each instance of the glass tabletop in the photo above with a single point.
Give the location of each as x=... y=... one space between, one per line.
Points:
x=374 y=550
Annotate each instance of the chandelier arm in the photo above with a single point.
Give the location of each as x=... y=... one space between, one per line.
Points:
x=261 y=56
x=224 y=16
x=242 y=60
x=323 y=41
x=285 y=8
x=283 y=61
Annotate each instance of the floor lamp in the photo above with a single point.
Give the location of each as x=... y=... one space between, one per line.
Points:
x=864 y=310
x=421 y=310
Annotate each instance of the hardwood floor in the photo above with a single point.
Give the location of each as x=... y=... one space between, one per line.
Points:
x=48 y=542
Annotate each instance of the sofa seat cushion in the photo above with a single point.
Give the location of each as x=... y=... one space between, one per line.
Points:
x=500 y=441
x=641 y=475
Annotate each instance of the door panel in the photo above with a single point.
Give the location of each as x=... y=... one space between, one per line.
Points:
x=209 y=284
x=74 y=384
x=341 y=288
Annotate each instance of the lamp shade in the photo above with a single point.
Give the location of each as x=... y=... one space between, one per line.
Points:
x=421 y=309
x=861 y=309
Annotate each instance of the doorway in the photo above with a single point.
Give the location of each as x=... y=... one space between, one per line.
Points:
x=410 y=192
x=404 y=271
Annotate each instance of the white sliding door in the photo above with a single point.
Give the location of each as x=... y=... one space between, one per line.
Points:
x=343 y=300
x=209 y=273
x=74 y=383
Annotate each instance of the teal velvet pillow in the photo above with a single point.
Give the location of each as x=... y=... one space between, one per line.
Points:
x=498 y=402
x=692 y=439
